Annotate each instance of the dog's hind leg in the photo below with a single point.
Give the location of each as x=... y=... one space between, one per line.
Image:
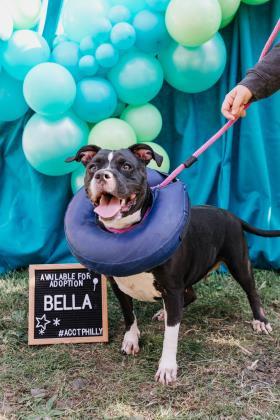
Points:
x=130 y=344
x=239 y=266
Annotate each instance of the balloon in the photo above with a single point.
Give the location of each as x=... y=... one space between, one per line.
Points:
x=6 y=23
x=87 y=46
x=47 y=142
x=119 y=13
x=137 y=78
x=145 y=120
x=123 y=36
x=78 y=178
x=106 y=55
x=95 y=99
x=49 y=89
x=158 y=5
x=165 y=166
x=133 y=5
x=151 y=33
x=24 y=50
x=112 y=134
x=229 y=8
x=12 y=102
x=58 y=39
x=67 y=54
x=191 y=23
x=25 y=13
x=88 y=65
x=119 y=109
x=101 y=30
x=255 y=2
x=193 y=70
x=79 y=17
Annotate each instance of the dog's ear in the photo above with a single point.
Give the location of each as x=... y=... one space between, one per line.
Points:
x=84 y=154
x=146 y=153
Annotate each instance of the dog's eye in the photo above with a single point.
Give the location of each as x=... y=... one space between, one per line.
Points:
x=126 y=166
x=92 y=168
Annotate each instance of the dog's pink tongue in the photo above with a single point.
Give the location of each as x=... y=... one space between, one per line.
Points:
x=108 y=207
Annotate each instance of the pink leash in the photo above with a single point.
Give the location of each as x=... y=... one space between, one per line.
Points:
x=193 y=158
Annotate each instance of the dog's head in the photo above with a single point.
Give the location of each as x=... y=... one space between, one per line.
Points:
x=116 y=181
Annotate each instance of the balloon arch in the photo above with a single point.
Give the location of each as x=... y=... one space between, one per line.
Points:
x=95 y=82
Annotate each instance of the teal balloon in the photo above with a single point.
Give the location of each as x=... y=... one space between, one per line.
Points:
x=67 y=54
x=49 y=89
x=151 y=32
x=24 y=50
x=12 y=102
x=119 y=109
x=193 y=70
x=137 y=78
x=119 y=13
x=79 y=17
x=47 y=142
x=157 y=5
x=133 y=5
x=78 y=179
x=101 y=30
x=58 y=39
x=123 y=36
x=88 y=65
x=106 y=55
x=87 y=46
x=95 y=99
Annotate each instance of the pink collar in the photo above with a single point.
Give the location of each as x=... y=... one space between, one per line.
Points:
x=127 y=229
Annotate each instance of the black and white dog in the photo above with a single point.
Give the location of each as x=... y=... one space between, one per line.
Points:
x=116 y=183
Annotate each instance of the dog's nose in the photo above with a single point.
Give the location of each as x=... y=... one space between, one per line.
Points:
x=102 y=175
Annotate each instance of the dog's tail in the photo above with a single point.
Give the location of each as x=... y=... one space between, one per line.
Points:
x=259 y=232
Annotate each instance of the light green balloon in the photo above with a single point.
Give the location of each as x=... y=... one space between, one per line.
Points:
x=145 y=120
x=165 y=166
x=47 y=142
x=6 y=23
x=229 y=9
x=112 y=134
x=25 y=13
x=193 y=22
x=77 y=178
x=255 y=2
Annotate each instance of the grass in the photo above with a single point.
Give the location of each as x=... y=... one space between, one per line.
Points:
x=226 y=371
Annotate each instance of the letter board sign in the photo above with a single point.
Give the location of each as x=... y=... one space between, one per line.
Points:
x=67 y=304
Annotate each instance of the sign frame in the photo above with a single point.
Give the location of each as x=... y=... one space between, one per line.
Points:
x=64 y=340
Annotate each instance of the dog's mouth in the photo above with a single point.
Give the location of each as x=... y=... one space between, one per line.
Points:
x=108 y=206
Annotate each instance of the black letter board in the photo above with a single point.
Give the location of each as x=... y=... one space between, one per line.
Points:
x=67 y=304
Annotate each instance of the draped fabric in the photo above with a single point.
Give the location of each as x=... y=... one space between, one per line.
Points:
x=241 y=172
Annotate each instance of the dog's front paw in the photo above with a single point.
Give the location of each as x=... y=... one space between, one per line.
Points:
x=130 y=344
x=261 y=327
x=166 y=373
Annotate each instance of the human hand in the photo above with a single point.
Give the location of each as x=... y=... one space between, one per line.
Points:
x=235 y=101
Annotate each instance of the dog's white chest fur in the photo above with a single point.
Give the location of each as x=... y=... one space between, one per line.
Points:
x=140 y=286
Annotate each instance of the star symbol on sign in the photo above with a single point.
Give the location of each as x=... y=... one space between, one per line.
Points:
x=56 y=322
x=42 y=322
x=42 y=332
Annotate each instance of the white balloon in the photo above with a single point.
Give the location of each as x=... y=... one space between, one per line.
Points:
x=25 y=13
x=6 y=23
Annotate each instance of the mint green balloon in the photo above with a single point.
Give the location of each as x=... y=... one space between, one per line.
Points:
x=255 y=2
x=193 y=22
x=193 y=70
x=112 y=134
x=229 y=9
x=47 y=142
x=145 y=119
x=25 y=13
x=78 y=178
x=165 y=166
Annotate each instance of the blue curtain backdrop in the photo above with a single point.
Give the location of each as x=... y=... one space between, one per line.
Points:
x=241 y=172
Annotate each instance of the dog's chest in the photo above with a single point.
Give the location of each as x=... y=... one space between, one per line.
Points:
x=140 y=287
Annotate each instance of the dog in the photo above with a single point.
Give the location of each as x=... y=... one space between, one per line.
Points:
x=116 y=183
